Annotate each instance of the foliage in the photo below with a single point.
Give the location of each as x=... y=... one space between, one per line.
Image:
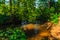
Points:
x=54 y=18
x=12 y=34
x=26 y=11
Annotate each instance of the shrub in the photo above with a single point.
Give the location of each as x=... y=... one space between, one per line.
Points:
x=10 y=34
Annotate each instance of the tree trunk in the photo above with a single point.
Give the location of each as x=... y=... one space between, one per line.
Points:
x=11 y=6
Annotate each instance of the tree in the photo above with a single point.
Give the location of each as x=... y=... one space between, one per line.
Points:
x=3 y=1
x=11 y=6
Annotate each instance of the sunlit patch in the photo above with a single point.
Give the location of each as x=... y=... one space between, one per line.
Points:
x=29 y=27
x=55 y=30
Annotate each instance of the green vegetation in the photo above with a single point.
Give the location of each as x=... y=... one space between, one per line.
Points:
x=12 y=34
x=17 y=11
x=27 y=11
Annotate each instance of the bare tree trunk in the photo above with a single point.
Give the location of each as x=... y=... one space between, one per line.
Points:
x=49 y=4
x=11 y=6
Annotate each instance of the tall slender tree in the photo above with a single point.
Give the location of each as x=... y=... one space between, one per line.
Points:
x=11 y=6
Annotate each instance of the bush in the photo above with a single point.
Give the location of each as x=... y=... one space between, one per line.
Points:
x=10 y=34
